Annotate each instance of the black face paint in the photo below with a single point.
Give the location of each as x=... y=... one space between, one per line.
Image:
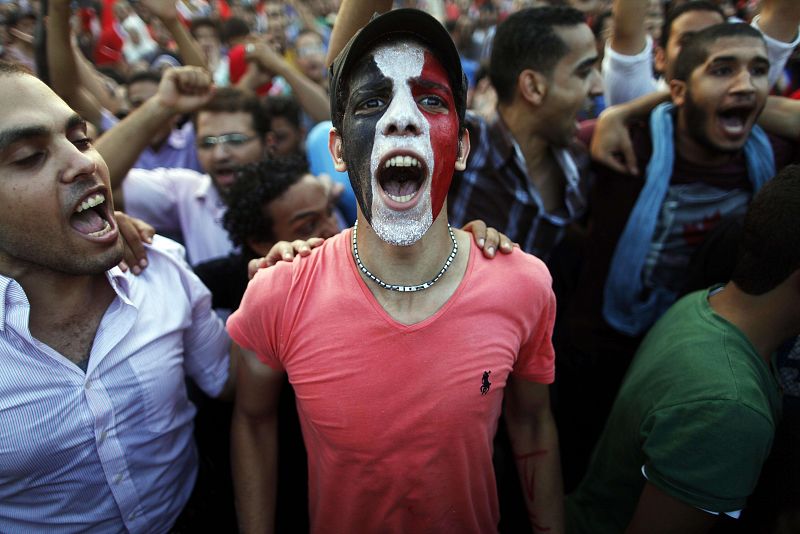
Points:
x=367 y=87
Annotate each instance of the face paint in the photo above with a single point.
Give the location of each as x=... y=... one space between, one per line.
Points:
x=403 y=92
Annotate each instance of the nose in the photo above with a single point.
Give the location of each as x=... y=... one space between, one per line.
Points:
x=402 y=117
x=743 y=82
x=78 y=164
x=220 y=151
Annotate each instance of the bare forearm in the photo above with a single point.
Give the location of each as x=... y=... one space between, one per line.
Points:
x=352 y=16
x=122 y=144
x=781 y=116
x=535 y=445
x=254 y=462
x=188 y=48
x=62 y=64
x=94 y=83
x=779 y=19
x=311 y=96
x=629 y=27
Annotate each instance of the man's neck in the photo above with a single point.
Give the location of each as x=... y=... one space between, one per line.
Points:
x=543 y=170
x=761 y=318
x=412 y=265
x=65 y=310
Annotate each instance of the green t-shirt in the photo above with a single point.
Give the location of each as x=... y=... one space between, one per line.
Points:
x=697 y=411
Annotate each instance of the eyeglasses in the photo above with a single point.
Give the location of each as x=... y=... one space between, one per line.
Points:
x=231 y=140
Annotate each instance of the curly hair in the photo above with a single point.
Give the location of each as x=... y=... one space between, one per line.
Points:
x=256 y=185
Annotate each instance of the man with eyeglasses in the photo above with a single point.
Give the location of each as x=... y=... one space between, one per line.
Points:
x=231 y=127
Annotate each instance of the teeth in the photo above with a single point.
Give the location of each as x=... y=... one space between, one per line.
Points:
x=103 y=231
x=401 y=161
x=91 y=202
x=402 y=198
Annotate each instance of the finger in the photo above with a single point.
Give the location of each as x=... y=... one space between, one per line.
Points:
x=301 y=247
x=506 y=245
x=280 y=251
x=492 y=240
x=612 y=163
x=478 y=230
x=253 y=266
x=123 y=266
x=314 y=242
x=629 y=157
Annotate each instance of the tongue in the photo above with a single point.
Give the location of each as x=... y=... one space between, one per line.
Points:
x=87 y=221
x=732 y=124
x=398 y=189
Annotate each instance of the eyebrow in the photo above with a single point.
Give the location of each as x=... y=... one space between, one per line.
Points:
x=377 y=86
x=304 y=215
x=733 y=59
x=428 y=84
x=586 y=63
x=15 y=135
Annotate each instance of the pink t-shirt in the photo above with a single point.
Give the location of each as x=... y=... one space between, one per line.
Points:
x=398 y=432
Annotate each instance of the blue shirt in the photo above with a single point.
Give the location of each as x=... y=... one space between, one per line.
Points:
x=110 y=449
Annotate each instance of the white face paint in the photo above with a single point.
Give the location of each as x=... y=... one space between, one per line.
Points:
x=401 y=130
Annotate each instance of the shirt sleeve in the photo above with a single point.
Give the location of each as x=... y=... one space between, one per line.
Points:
x=536 y=359
x=152 y=195
x=707 y=454
x=627 y=77
x=777 y=51
x=257 y=324
x=206 y=343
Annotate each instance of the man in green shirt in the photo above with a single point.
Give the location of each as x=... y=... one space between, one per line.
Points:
x=696 y=415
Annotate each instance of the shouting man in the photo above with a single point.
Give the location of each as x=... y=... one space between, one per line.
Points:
x=396 y=414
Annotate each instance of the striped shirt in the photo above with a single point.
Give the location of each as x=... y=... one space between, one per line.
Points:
x=110 y=449
x=496 y=188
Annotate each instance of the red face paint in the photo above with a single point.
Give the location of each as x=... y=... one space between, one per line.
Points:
x=444 y=132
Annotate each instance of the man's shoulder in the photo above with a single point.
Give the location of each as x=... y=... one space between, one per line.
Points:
x=524 y=272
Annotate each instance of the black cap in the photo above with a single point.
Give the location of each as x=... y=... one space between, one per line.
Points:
x=401 y=23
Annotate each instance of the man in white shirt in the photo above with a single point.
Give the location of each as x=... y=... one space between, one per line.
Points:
x=95 y=424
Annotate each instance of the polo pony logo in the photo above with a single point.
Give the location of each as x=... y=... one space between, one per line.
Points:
x=485 y=385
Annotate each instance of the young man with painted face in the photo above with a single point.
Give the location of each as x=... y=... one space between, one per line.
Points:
x=704 y=157
x=389 y=384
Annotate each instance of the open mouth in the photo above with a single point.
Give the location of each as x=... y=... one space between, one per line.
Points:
x=91 y=218
x=734 y=121
x=224 y=175
x=401 y=177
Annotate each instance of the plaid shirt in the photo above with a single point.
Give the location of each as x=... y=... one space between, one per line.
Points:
x=496 y=189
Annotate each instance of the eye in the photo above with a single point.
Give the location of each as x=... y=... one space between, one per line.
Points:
x=721 y=71
x=760 y=70
x=432 y=101
x=31 y=160
x=83 y=144
x=370 y=104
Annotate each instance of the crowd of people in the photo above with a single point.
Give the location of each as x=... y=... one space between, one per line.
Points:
x=411 y=266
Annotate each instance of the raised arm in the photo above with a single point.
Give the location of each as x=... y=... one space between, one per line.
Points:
x=352 y=16
x=781 y=116
x=534 y=440
x=311 y=96
x=254 y=444
x=182 y=90
x=630 y=34
x=188 y=48
x=779 y=21
x=62 y=64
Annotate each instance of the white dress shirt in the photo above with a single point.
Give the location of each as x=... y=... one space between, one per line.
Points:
x=110 y=449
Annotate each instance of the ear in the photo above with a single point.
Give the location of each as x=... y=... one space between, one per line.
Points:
x=335 y=148
x=259 y=247
x=677 y=91
x=463 y=150
x=532 y=86
x=660 y=60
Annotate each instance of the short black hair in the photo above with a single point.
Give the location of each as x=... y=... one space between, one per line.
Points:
x=233 y=28
x=527 y=40
x=256 y=185
x=769 y=251
x=695 y=51
x=144 y=76
x=285 y=106
x=232 y=100
x=205 y=22
x=678 y=10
